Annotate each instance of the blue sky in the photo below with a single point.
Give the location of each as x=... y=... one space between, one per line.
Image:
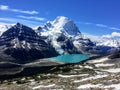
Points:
x=96 y=17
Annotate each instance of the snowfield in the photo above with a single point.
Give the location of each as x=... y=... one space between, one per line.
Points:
x=70 y=76
x=43 y=86
x=116 y=70
x=91 y=78
x=103 y=65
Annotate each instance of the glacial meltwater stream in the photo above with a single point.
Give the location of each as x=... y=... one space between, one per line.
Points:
x=71 y=58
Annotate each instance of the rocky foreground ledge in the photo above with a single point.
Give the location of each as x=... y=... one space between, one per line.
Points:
x=14 y=69
x=97 y=74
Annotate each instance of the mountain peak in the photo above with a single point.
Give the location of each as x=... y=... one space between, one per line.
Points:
x=65 y=25
x=61 y=19
x=59 y=25
x=18 y=24
x=64 y=17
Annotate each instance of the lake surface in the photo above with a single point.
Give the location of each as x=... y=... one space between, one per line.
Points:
x=71 y=58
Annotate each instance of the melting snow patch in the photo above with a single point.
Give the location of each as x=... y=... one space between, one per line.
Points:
x=87 y=86
x=98 y=60
x=91 y=78
x=88 y=67
x=33 y=83
x=115 y=86
x=23 y=79
x=31 y=80
x=70 y=76
x=116 y=70
x=43 y=86
x=103 y=65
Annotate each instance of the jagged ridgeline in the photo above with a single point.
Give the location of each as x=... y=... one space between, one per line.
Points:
x=23 y=44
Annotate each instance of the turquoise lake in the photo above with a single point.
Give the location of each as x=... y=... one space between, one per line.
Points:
x=71 y=58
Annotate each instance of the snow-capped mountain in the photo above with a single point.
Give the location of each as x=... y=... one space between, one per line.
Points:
x=65 y=36
x=20 y=36
x=111 y=42
x=60 y=25
x=105 y=40
x=23 y=44
x=3 y=28
x=65 y=25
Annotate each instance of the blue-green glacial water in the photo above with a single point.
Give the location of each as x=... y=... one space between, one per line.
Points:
x=71 y=58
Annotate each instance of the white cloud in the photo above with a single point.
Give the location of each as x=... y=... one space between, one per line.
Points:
x=4 y=23
x=114 y=28
x=107 y=27
x=15 y=20
x=112 y=35
x=92 y=37
x=107 y=36
x=31 y=17
x=104 y=39
x=7 y=19
x=101 y=25
x=6 y=8
x=88 y=23
x=21 y=11
x=116 y=34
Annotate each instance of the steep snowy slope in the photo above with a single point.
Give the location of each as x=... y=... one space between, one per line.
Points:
x=60 y=25
x=65 y=36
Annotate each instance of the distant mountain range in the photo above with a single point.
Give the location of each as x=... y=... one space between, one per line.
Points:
x=22 y=44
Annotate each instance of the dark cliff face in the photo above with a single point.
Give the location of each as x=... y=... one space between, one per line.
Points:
x=24 y=45
x=66 y=44
x=115 y=55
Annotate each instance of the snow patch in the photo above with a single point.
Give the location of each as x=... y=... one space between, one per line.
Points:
x=88 y=86
x=76 y=44
x=103 y=65
x=91 y=78
x=57 y=47
x=70 y=76
x=88 y=67
x=98 y=60
x=115 y=86
x=43 y=86
x=114 y=70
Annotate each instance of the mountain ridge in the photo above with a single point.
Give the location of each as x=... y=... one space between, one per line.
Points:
x=23 y=44
x=59 y=36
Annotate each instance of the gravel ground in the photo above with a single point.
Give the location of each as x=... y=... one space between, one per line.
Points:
x=97 y=74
